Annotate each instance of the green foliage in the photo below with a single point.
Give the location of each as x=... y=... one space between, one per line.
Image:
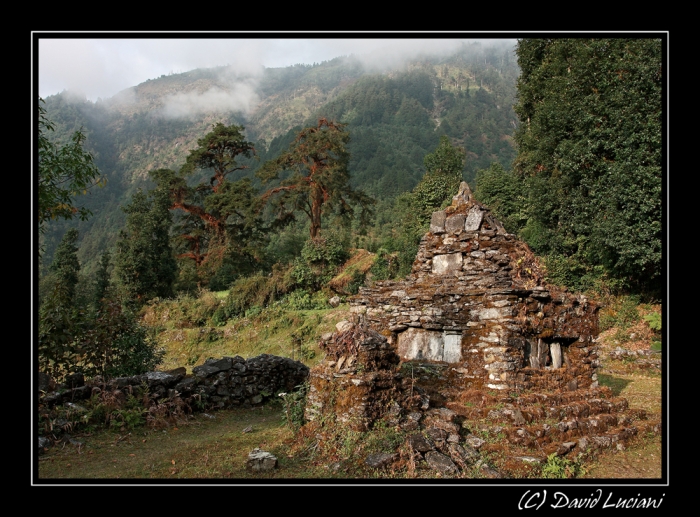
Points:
x=258 y=290
x=502 y=192
x=65 y=171
x=109 y=342
x=130 y=416
x=218 y=150
x=621 y=312
x=294 y=404
x=116 y=344
x=65 y=266
x=319 y=261
x=61 y=320
x=218 y=224
x=61 y=325
x=654 y=320
x=441 y=181
x=302 y=300
x=102 y=279
x=412 y=211
x=318 y=183
x=144 y=265
x=590 y=152
x=385 y=265
x=559 y=467
x=573 y=274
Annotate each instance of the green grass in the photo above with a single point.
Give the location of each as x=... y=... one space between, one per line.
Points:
x=220 y=295
x=276 y=330
x=203 y=448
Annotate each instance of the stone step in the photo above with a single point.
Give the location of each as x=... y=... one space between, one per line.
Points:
x=522 y=413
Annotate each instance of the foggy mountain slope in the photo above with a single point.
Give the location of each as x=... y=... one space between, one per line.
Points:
x=394 y=118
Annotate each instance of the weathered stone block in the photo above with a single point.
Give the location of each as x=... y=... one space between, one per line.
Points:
x=454 y=223
x=473 y=220
x=437 y=222
x=430 y=345
x=260 y=461
x=443 y=264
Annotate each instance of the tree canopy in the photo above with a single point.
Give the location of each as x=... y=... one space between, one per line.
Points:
x=590 y=152
x=318 y=181
x=144 y=265
x=65 y=171
x=218 y=220
x=441 y=181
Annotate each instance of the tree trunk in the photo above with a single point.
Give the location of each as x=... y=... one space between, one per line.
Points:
x=316 y=204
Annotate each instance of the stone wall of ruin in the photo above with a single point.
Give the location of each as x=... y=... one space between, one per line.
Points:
x=476 y=300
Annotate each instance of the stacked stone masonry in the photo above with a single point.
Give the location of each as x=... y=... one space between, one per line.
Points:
x=216 y=384
x=476 y=300
x=473 y=343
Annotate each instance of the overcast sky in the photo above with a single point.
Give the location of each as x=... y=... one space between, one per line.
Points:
x=105 y=66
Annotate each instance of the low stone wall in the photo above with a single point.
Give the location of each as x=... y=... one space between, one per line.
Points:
x=218 y=383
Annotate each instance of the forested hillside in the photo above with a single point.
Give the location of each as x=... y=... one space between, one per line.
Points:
x=393 y=117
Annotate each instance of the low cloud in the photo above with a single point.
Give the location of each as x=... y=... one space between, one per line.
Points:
x=239 y=97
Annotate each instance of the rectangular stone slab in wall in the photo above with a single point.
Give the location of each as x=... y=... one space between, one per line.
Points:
x=429 y=345
x=445 y=263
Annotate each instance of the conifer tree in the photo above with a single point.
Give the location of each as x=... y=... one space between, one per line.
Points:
x=144 y=264
x=65 y=265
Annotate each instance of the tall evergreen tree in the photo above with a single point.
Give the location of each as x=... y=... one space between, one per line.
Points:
x=65 y=265
x=144 y=264
x=590 y=151
x=101 y=278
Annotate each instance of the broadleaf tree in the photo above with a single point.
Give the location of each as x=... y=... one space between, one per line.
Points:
x=64 y=172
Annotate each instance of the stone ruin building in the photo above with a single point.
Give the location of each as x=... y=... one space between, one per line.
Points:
x=476 y=300
x=473 y=339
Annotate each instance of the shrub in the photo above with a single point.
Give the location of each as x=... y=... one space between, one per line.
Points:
x=386 y=265
x=258 y=290
x=302 y=300
x=558 y=467
x=294 y=404
x=117 y=345
x=620 y=311
x=319 y=261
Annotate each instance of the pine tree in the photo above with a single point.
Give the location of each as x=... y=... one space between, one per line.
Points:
x=219 y=220
x=65 y=266
x=144 y=265
x=101 y=278
x=319 y=182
